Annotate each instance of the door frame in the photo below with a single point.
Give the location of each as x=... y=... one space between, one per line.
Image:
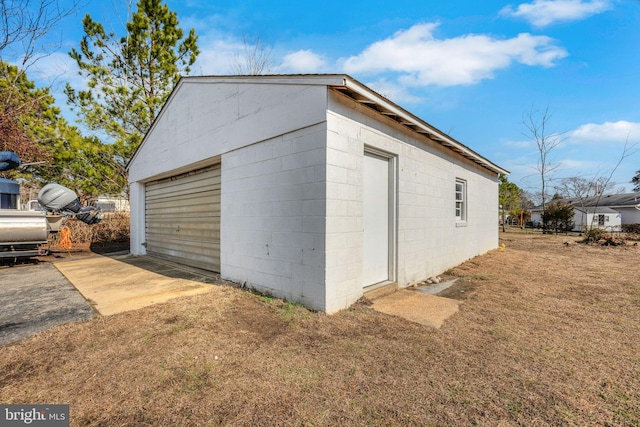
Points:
x=392 y=160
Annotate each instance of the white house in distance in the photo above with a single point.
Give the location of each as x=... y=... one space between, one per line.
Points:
x=627 y=204
x=312 y=188
x=601 y=217
x=608 y=212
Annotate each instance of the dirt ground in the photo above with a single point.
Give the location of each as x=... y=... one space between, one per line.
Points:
x=547 y=334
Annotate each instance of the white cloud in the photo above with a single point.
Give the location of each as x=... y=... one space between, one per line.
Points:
x=574 y=164
x=541 y=13
x=303 y=61
x=619 y=131
x=217 y=57
x=394 y=92
x=519 y=144
x=53 y=70
x=424 y=60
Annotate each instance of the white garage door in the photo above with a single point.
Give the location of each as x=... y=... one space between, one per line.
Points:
x=183 y=218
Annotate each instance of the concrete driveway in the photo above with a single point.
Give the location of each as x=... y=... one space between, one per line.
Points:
x=117 y=283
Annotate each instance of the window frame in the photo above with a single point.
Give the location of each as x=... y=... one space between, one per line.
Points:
x=460 y=199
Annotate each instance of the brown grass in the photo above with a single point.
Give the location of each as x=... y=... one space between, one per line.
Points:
x=113 y=230
x=548 y=335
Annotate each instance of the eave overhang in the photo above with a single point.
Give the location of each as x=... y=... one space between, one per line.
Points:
x=364 y=96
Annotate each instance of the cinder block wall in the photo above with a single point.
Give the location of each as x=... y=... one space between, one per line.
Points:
x=273 y=216
x=429 y=239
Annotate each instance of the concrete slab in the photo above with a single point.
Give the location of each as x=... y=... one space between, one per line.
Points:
x=429 y=310
x=436 y=288
x=114 y=284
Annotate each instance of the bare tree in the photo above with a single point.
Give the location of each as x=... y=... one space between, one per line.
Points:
x=536 y=124
x=580 y=190
x=577 y=187
x=24 y=25
x=255 y=59
x=627 y=151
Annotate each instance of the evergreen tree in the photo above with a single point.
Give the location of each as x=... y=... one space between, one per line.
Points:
x=636 y=181
x=33 y=127
x=509 y=197
x=24 y=110
x=558 y=216
x=130 y=77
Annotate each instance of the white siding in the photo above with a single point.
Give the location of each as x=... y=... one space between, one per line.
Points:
x=630 y=215
x=203 y=120
x=137 y=219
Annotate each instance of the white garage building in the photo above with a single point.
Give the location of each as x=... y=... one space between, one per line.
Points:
x=312 y=188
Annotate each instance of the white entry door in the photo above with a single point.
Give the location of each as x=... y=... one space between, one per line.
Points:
x=376 y=186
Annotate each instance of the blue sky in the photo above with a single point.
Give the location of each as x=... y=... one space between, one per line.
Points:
x=473 y=69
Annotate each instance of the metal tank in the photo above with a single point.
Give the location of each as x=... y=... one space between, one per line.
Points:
x=22 y=233
x=23 y=227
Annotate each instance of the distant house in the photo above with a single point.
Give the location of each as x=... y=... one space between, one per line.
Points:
x=312 y=188
x=599 y=217
x=608 y=212
x=628 y=204
x=112 y=204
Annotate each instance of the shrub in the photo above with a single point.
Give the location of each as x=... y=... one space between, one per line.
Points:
x=113 y=230
x=594 y=235
x=558 y=216
x=632 y=231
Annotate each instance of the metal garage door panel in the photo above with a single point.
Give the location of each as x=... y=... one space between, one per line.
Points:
x=183 y=218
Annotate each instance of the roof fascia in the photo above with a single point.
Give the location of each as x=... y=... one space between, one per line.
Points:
x=366 y=96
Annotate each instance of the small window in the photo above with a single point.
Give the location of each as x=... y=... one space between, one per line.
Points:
x=461 y=196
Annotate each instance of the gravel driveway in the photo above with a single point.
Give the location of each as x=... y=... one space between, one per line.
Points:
x=37 y=297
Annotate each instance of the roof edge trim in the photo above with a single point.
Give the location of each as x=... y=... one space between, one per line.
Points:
x=382 y=105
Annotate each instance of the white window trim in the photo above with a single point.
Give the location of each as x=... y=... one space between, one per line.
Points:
x=462 y=218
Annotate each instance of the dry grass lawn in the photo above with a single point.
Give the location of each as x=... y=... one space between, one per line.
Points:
x=548 y=334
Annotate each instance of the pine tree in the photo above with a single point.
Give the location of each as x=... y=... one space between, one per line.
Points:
x=130 y=77
x=33 y=127
x=636 y=181
x=23 y=111
x=558 y=216
x=509 y=197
